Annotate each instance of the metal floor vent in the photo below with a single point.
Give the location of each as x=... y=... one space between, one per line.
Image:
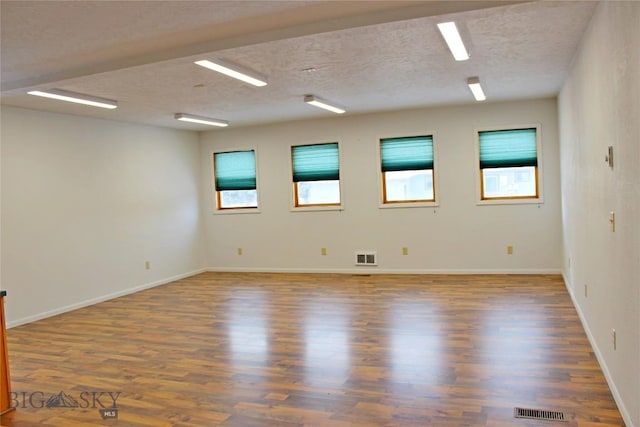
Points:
x=539 y=414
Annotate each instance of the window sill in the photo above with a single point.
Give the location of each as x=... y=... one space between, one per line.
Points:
x=236 y=211
x=489 y=202
x=316 y=208
x=402 y=205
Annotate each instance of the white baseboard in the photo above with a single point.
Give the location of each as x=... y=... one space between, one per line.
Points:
x=626 y=416
x=100 y=299
x=377 y=270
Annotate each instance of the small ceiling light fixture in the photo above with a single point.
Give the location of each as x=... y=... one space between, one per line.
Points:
x=476 y=89
x=451 y=35
x=321 y=103
x=235 y=71
x=78 y=98
x=201 y=120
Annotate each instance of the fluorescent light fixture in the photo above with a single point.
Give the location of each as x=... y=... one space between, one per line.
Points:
x=451 y=35
x=476 y=89
x=201 y=120
x=78 y=98
x=321 y=103
x=234 y=71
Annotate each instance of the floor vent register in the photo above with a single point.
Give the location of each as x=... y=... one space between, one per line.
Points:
x=539 y=414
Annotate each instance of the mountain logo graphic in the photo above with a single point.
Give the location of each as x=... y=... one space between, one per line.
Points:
x=62 y=400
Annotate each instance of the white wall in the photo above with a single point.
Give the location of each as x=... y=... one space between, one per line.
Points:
x=600 y=106
x=457 y=236
x=85 y=202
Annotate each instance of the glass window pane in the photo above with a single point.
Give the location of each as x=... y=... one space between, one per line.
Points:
x=409 y=185
x=238 y=199
x=318 y=193
x=509 y=182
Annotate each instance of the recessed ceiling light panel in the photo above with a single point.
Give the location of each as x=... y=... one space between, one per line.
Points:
x=476 y=88
x=235 y=71
x=451 y=35
x=78 y=98
x=201 y=120
x=321 y=103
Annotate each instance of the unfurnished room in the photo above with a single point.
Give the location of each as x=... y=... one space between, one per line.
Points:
x=320 y=213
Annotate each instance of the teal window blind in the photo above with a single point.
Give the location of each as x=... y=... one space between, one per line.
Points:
x=235 y=170
x=407 y=153
x=318 y=162
x=508 y=148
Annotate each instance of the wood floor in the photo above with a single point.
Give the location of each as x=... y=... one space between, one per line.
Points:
x=227 y=349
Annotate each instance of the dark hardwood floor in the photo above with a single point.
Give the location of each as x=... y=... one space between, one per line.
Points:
x=233 y=349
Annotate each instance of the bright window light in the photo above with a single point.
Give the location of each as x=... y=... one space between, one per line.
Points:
x=509 y=182
x=317 y=193
x=408 y=186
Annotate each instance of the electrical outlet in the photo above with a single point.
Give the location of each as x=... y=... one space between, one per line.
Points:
x=239 y=251
x=509 y=250
x=323 y=251
x=147 y=265
x=405 y=250
x=615 y=341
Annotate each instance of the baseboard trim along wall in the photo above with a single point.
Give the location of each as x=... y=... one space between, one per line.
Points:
x=100 y=299
x=377 y=270
x=603 y=365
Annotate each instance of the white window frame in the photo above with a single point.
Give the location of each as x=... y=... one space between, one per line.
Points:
x=213 y=192
x=478 y=172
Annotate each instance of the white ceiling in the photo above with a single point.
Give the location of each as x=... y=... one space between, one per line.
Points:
x=368 y=55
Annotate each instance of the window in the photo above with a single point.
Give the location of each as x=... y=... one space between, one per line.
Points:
x=407 y=169
x=235 y=179
x=508 y=164
x=316 y=175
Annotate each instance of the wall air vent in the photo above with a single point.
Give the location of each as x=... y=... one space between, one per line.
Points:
x=366 y=258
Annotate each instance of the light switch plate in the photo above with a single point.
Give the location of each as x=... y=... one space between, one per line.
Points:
x=612 y=221
x=609 y=157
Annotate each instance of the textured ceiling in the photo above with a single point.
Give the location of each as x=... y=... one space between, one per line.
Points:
x=367 y=55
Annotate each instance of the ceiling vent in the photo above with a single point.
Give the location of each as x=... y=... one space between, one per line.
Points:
x=366 y=258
